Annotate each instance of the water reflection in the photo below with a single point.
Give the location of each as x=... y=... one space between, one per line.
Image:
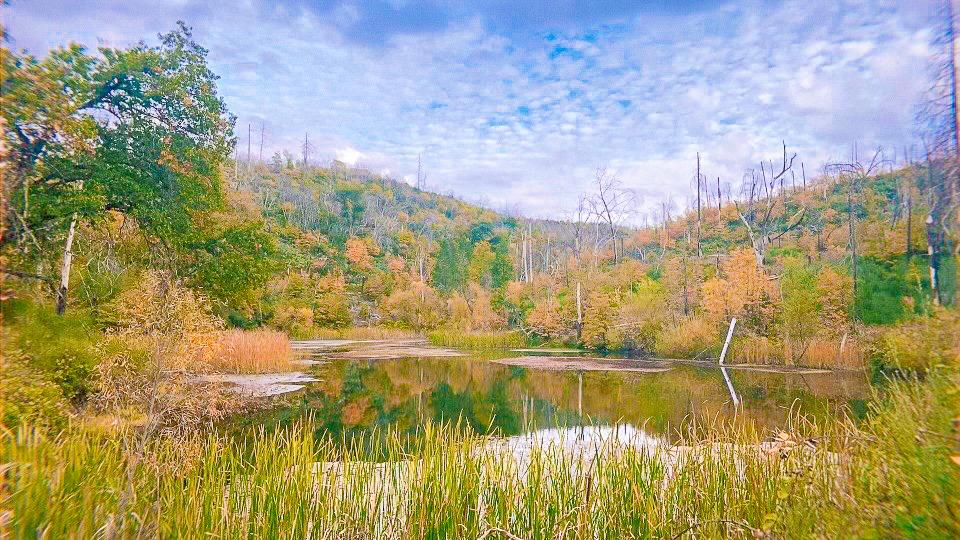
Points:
x=355 y=398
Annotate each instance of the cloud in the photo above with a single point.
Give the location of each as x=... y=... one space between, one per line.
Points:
x=517 y=103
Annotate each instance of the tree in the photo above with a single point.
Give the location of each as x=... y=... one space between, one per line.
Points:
x=612 y=204
x=760 y=217
x=450 y=269
x=481 y=264
x=140 y=131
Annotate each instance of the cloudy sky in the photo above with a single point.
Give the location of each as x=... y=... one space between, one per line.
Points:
x=516 y=104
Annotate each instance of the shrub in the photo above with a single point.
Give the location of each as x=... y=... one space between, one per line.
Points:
x=417 y=308
x=62 y=348
x=920 y=343
x=175 y=320
x=882 y=287
x=28 y=397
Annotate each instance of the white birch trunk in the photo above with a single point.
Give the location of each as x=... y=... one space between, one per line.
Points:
x=65 y=268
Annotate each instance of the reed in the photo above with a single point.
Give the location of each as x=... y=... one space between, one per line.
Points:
x=874 y=480
x=463 y=339
x=252 y=351
x=362 y=332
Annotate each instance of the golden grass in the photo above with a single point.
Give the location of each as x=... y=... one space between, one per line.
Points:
x=252 y=351
x=750 y=349
x=817 y=352
x=822 y=352
x=689 y=338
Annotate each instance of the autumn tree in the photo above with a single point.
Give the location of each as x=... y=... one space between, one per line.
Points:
x=141 y=131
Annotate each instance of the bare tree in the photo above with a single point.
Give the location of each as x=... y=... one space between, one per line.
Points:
x=612 y=204
x=940 y=126
x=854 y=174
x=763 y=225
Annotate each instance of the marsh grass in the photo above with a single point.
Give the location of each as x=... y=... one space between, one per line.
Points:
x=362 y=332
x=476 y=340
x=252 y=351
x=834 y=480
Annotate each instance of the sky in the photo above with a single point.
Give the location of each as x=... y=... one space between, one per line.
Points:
x=515 y=105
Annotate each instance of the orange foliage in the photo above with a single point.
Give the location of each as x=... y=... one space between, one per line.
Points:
x=358 y=252
x=835 y=291
x=744 y=291
x=545 y=318
x=396 y=265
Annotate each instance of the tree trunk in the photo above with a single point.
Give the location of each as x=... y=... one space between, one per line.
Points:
x=851 y=217
x=65 y=268
x=579 y=313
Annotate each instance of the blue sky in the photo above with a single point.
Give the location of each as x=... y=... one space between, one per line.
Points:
x=516 y=104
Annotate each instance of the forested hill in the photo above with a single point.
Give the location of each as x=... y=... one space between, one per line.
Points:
x=94 y=207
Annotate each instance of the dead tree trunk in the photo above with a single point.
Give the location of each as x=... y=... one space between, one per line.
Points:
x=699 y=249
x=65 y=268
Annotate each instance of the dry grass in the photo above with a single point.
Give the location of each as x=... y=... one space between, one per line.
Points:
x=252 y=351
x=750 y=349
x=822 y=352
x=689 y=338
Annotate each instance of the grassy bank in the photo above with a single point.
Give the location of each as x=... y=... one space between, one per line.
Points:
x=891 y=476
x=476 y=340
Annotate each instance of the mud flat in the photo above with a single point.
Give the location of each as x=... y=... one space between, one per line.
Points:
x=799 y=370
x=577 y=363
x=392 y=350
x=551 y=351
x=260 y=385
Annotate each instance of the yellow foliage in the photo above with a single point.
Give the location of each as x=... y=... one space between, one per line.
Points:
x=174 y=319
x=835 y=291
x=597 y=323
x=460 y=316
x=743 y=291
x=418 y=308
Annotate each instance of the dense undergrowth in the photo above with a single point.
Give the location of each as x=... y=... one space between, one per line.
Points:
x=891 y=476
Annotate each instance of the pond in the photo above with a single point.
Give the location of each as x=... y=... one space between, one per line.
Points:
x=360 y=390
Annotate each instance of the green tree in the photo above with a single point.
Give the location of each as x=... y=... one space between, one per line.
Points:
x=501 y=270
x=450 y=268
x=481 y=263
x=141 y=131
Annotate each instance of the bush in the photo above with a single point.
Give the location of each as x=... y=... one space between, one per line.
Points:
x=28 y=397
x=417 y=308
x=61 y=347
x=882 y=287
x=920 y=344
x=175 y=319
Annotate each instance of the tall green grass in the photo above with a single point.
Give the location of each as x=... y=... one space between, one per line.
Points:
x=462 y=339
x=891 y=477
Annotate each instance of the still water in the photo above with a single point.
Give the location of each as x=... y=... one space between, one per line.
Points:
x=355 y=397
